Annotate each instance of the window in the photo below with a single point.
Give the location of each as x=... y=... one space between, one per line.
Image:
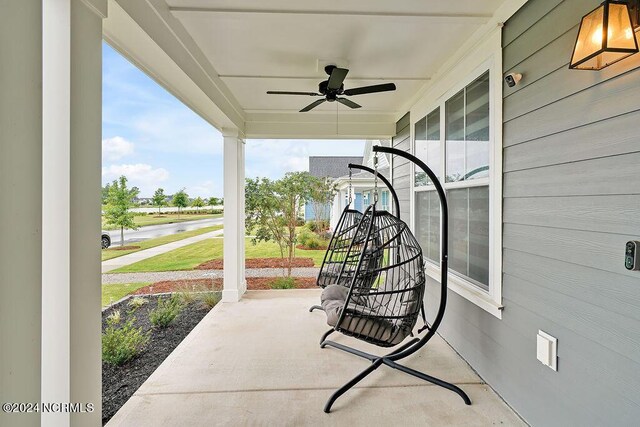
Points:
x=384 y=199
x=456 y=145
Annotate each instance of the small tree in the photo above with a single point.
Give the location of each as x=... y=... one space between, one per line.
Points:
x=159 y=199
x=272 y=209
x=119 y=202
x=321 y=195
x=181 y=200
x=197 y=203
x=213 y=201
x=105 y=193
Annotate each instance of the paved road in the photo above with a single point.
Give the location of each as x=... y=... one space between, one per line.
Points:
x=173 y=209
x=152 y=231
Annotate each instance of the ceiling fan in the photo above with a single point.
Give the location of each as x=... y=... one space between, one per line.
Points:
x=332 y=89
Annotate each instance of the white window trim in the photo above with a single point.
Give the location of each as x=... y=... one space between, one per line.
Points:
x=490 y=301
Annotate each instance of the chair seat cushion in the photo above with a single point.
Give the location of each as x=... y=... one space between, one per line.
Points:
x=359 y=319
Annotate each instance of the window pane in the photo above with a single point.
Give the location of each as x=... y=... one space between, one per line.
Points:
x=479 y=234
x=469 y=233
x=454 y=111
x=458 y=230
x=428 y=224
x=427 y=137
x=477 y=128
x=467 y=118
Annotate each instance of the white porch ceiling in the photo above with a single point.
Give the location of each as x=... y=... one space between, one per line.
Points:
x=252 y=46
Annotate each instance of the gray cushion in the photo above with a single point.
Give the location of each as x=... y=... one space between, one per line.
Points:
x=357 y=320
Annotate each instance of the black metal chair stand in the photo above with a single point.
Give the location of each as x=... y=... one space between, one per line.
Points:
x=386 y=313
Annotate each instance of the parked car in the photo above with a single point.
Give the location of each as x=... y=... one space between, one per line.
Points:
x=106 y=240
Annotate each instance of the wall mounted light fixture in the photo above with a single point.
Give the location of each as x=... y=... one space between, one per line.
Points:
x=606 y=35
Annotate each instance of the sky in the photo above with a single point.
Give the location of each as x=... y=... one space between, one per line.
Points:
x=156 y=141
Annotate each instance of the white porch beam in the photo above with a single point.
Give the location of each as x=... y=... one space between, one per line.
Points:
x=146 y=33
x=447 y=17
x=235 y=283
x=324 y=125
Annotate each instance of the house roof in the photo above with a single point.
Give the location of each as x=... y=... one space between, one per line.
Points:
x=331 y=166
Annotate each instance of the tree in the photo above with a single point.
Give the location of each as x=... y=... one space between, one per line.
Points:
x=105 y=193
x=181 y=200
x=321 y=195
x=272 y=210
x=213 y=201
x=197 y=203
x=119 y=201
x=159 y=199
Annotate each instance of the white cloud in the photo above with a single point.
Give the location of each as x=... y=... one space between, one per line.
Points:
x=205 y=189
x=273 y=158
x=116 y=148
x=140 y=175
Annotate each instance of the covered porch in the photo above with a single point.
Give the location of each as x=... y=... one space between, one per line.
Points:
x=559 y=201
x=258 y=362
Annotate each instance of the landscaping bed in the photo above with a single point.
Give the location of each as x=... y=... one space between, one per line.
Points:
x=120 y=382
x=253 y=284
x=217 y=264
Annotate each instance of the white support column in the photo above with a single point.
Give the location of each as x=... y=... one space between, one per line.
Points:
x=71 y=141
x=21 y=218
x=235 y=284
x=50 y=128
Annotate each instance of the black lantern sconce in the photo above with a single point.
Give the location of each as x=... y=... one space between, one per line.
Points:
x=606 y=35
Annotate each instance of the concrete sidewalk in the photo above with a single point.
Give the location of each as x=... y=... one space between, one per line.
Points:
x=257 y=362
x=115 y=263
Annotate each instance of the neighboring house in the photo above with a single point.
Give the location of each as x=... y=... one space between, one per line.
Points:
x=327 y=167
x=362 y=185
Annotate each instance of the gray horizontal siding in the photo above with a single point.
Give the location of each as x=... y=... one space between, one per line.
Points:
x=401 y=169
x=571 y=189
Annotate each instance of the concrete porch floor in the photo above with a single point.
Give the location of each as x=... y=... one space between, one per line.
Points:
x=258 y=362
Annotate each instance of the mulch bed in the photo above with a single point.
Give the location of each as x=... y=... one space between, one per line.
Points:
x=253 y=284
x=123 y=248
x=306 y=248
x=120 y=382
x=217 y=264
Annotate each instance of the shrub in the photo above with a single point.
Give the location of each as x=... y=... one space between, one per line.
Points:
x=309 y=240
x=283 y=283
x=186 y=295
x=114 y=318
x=311 y=226
x=210 y=299
x=166 y=311
x=137 y=302
x=119 y=345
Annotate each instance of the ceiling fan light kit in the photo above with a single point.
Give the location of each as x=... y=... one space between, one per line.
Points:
x=333 y=89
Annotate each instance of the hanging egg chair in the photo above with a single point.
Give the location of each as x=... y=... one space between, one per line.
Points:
x=381 y=303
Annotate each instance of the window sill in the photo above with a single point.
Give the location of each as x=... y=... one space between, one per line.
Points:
x=467 y=290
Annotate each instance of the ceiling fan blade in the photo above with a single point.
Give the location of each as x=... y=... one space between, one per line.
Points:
x=370 y=89
x=336 y=78
x=282 y=92
x=349 y=103
x=312 y=105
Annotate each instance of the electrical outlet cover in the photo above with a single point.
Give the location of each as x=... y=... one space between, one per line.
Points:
x=547 y=350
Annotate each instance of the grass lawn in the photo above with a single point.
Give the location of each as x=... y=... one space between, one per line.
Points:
x=188 y=257
x=112 y=293
x=144 y=220
x=146 y=244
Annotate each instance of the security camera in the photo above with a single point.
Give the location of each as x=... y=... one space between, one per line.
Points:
x=512 y=79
